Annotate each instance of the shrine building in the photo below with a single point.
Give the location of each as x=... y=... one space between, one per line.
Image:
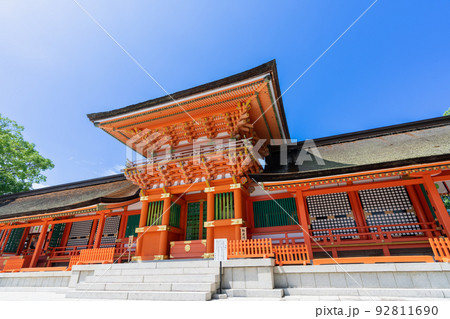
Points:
x=217 y=162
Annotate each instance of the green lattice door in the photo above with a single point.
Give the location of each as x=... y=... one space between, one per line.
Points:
x=196 y=216
x=14 y=240
x=132 y=224
x=57 y=234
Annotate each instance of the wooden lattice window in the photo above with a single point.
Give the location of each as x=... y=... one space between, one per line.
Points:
x=110 y=231
x=58 y=231
x=193 y=219
x=132 y=224
x=14 y=240
x=175 y=214
x=155 y=211
x=80 y=233
x=329 y=211
x=389 y=206
x=277 y=212
x=224 y=206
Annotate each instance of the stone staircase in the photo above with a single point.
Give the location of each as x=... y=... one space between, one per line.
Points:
x=162 y=280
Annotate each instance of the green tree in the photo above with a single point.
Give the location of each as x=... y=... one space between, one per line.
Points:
x=447 y=112
x=20 y=163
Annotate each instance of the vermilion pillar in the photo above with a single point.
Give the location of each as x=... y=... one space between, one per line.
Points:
x=437 y=203
x=418 y=208
x=2 y=240
x=165 y=220
x=40 y=243
x=65 y=236
x=6 y=240
x=210 y=218
x=100 y=227
x=142 y=223
x=302 y=213
x=93 y=232
x=237 y=193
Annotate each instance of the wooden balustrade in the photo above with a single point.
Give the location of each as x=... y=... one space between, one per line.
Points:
x=441 y=249
x=252 y=248
x=291 y=255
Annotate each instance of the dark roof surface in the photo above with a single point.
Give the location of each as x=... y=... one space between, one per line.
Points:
x=109 y=189
x=418 y=142
x=264 y=68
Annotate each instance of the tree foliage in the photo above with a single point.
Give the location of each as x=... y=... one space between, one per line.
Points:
x=20 y=163
x=447 y=112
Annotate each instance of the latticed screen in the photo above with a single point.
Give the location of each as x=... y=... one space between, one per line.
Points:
x=132 y=224
x=193 y=220
x=14 y=240
x=58 y=231
x=272 y=213
x=175 y=212
x=389 y=206
x=224 y=206
x=155 y=211
x=110 y=231
x=79 y=233
x=331 y=211
x=205 y=211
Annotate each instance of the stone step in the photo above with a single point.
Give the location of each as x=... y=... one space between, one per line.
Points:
x=369 y=292
x=182 y=278
x=182 y=287
x=114 y=279
x=140 y=295
x=156 y=271
x=255 y=293
x=187 y=278
x=166 y=264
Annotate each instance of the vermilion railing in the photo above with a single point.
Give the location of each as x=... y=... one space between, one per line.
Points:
x=291 y=255
x=376 y=234
x=64 y=254
x=96 y=256
x=252 y=248
x=441 y=249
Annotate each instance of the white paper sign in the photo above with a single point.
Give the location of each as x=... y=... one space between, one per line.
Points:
x=220 y=249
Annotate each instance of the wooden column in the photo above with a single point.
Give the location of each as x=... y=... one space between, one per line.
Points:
x=415 y=201
x=6 y=241
x=100 y=227
x=237 y=194
x=210 y=230
x=2 y=240
x=39 y=244
x=358 y=212
x=65 y=236
x=93 y=232
x=302 y=213
x=142 y=223
x=424 y=202
x=26 y=230
x=437 y=203
x=123 y=225
x=165 y=220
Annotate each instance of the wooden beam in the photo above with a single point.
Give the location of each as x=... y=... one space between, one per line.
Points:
x=358 y=187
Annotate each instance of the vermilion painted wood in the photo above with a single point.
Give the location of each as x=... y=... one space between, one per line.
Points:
x=291 y=255
x=13 y=264
x=96 y=256
x=441 y=249
x=372 y=260
x=40 y=269
x=252 y=248
x=73 y=261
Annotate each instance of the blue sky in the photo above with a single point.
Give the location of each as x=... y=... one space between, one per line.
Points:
x=56 y=65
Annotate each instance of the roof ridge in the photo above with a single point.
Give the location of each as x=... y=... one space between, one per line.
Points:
x=66 y=186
